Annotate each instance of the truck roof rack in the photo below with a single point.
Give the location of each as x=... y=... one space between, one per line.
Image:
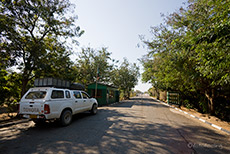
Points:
x=57 y=83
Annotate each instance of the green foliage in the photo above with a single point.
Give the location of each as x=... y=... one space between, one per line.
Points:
x=125 y=77
x=4 y=90
x=33 y=39
x=190 y=53
x=91 y=61
x=9 y=89
x=31 y=30
x=56 y=63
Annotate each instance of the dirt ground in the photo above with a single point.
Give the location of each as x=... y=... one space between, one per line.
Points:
x=212 y=119
x=5 y=117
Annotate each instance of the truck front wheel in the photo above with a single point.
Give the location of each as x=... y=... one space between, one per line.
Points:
x=94 y=109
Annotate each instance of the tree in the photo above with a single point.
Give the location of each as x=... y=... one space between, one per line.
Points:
x=125 y=77
x=4 y=89
x=207 y=31
x=27 y=26
x=91 y=61
x=56 y=63
x=189 y=53
x=9 y=89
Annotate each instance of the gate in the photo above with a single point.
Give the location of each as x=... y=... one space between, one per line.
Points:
x=173 y=98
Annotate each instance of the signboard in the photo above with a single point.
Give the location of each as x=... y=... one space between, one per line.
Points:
x=173 y=98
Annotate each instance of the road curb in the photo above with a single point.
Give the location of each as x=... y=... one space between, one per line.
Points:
x=14 y=123
x=204 y=121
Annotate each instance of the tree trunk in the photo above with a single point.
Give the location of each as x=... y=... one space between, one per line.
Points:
x=157 y=94
x=26 y=77
x=24 y=85
x=128 y=94
x=210 y=94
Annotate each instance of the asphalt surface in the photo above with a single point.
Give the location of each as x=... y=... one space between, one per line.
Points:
x=140 y=125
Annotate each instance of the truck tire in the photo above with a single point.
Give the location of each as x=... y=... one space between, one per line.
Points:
x=93 y=111
x=66 y=118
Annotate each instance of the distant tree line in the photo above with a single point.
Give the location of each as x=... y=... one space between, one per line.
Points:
x=190 y=53
x=35 y=38
x=123 y=75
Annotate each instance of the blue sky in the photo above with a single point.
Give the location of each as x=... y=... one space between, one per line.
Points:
x=117 y=24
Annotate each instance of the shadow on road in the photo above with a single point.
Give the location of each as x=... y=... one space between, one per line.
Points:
x=112 y=131
x=139 y=102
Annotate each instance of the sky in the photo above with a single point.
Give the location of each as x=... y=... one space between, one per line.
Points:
x=117 y=25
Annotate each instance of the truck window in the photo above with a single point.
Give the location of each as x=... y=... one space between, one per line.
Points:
x=36 y=95
x=57 y=94
x=67 y=94
x=85 y=96
x=77 y=94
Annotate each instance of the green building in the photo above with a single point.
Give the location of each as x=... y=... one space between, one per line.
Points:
x=106 y=94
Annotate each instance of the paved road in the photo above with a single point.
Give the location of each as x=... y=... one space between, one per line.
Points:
x=140 y=125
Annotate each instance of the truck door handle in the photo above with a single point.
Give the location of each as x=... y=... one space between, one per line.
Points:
x=75 y=101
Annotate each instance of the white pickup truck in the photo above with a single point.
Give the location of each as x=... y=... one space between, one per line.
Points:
x=47 y=103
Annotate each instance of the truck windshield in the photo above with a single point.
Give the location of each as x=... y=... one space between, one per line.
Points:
x=36 y=95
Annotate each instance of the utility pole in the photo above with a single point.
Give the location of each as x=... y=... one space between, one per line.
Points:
x=96 y=89
x=97 y=77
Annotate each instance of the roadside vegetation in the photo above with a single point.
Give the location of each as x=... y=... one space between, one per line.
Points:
x=189 y=53
x=37 y=39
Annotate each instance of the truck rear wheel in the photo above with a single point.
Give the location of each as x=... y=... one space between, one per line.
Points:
x=66 y=117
